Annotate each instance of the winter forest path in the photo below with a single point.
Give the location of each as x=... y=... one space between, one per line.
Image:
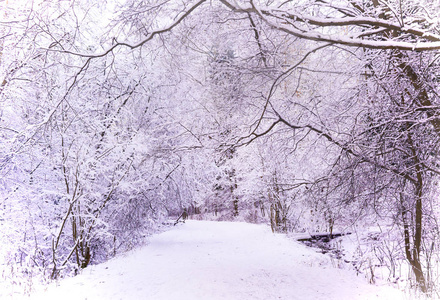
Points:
x=219 y=260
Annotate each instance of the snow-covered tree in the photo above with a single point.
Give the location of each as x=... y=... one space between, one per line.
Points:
x=111 y=121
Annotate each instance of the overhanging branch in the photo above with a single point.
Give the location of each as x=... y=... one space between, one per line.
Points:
x=280 y=20
x=149 y=37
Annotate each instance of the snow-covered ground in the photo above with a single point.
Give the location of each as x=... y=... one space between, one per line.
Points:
x=219 y=260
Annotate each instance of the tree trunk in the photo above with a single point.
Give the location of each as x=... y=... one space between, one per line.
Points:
x=414 y=257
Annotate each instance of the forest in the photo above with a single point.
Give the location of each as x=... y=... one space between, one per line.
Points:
x=309 y=115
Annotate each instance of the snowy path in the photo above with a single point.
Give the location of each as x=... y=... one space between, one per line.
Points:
x=210 y=260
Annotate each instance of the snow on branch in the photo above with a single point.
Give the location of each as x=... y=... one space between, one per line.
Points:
x=374 y=32
x=149 y=37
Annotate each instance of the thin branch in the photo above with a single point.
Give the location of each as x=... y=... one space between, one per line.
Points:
x=282 y=16
x=141 y=43
x=348 y=150
x=281 y=77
